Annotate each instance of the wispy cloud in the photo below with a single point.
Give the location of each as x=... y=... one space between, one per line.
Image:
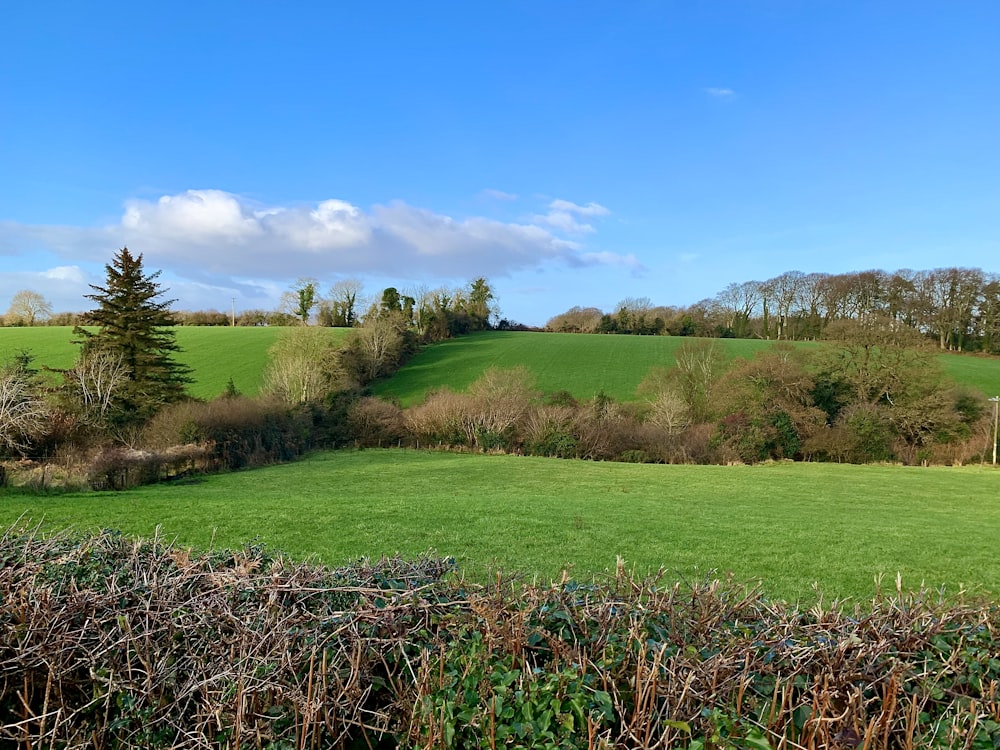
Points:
x=720 y=93
x=565 y=216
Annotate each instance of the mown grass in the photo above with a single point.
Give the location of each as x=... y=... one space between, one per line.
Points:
x=787 y=525
x=214 y=354
x=585 y=364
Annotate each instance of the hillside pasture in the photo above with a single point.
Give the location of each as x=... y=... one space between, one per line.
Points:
x=788 y=525
x=581 y=363
x=213 y=353
x=585 y=364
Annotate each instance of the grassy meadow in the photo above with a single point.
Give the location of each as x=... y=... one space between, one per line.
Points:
x=787 y=525
x=582 y=364
x=585 y=364
x=214 y=353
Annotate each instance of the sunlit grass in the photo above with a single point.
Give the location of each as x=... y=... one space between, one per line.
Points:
x=585 y=364
x=582 y=364
x=788 y=525
x=214 y=353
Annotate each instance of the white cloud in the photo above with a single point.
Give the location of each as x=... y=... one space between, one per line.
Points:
x=720 y=93
x=564 y=216
x=212 y=244
x=196 y=215
x=71 y=274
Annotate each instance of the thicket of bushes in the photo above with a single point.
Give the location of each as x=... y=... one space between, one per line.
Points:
x=111 y=642
x=767 y=408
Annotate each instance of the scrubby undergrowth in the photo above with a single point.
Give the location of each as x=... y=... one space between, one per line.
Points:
x=107 y=641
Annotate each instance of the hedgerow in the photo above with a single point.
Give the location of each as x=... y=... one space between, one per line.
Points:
x=107 y=641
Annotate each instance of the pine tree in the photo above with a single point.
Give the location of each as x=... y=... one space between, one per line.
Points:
x=135 y=325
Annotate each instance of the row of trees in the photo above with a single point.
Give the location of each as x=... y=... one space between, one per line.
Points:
x=958 y=308
x=433 y=314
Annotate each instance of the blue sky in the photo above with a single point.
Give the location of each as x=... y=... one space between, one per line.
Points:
x=575 y=153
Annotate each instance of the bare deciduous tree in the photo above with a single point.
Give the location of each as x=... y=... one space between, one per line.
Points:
x=23 y=412
x=304 y=366
x=28 y=307
x=96 y=379
x=698 y=365
x=343 y=299
x=377 y=342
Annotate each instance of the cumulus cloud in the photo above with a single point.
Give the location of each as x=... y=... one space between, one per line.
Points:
x=200 y=216
x=218 y=239
x=566 y=216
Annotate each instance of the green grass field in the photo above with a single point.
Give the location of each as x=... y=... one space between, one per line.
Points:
x=585 y=364
x=214 y=354
x=788 y=525
x=582 y=364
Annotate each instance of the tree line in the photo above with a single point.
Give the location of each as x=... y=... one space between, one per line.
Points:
x=957 y=308
x=432 y=313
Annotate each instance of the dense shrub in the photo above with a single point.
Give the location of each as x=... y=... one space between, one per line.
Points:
x=240 y=431
x=373 y=422
x=118 y=468
x=548 y=431
x=490 y=416
x=438 y=420
x=112 y=642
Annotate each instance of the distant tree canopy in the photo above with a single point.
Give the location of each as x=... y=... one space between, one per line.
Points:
x=957 y=308
x=135 y=332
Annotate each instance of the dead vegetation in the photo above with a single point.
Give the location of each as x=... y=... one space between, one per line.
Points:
x=107 y=641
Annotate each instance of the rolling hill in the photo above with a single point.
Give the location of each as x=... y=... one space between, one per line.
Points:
x=585 y=364
x=214 y=354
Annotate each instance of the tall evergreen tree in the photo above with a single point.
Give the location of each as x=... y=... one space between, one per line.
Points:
x=137 y=326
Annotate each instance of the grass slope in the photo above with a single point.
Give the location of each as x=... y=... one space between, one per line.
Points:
x=213 y=353
x=580 y=363
x=585 y=364
x=789 y=525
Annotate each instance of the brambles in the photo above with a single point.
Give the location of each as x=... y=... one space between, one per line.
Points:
x=119 y=642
